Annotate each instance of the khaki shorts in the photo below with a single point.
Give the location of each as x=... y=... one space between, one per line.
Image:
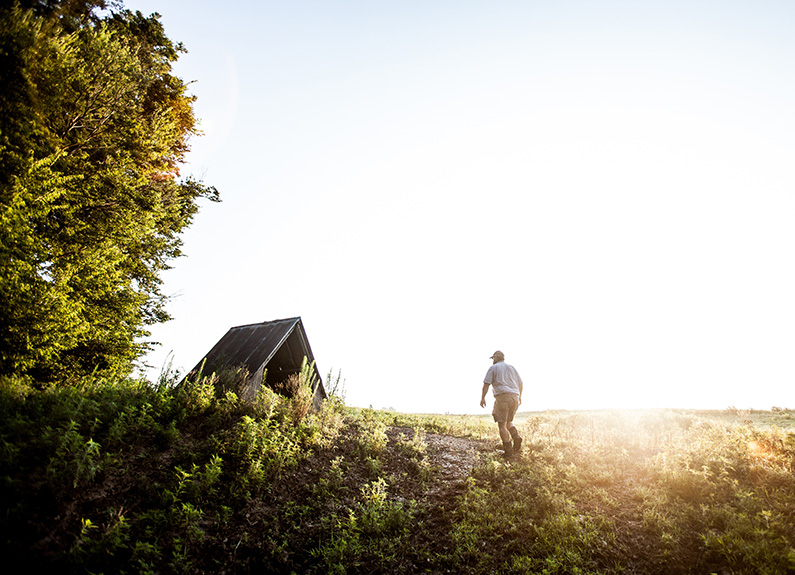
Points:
x=505 y=406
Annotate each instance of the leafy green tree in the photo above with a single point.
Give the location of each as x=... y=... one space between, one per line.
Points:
x=93 y=128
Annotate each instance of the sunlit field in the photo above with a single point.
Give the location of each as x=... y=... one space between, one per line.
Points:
x=628 y=491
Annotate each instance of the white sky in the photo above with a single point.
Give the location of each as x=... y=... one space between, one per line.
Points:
x=603 y=190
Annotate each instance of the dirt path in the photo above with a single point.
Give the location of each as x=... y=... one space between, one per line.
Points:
x=451 y=458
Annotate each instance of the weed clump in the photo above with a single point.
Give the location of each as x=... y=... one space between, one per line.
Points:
x=121 y=476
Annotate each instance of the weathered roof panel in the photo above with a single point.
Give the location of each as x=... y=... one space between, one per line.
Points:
x=251 y=345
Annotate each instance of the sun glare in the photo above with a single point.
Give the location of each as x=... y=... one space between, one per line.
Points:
x=756 y=449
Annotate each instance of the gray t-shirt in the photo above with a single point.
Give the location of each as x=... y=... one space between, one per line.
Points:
x=503 y=378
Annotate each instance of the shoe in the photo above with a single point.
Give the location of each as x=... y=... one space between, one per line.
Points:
x=517 y=444
x=508 y=448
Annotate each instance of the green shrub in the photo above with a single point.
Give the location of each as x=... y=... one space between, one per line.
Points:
x=76 y=460
x=372 y=438
x=374 y=532
x=264 y=449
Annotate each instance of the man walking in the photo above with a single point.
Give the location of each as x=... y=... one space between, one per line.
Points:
x=507 y=388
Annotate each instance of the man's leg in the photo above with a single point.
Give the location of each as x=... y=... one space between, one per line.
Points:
x=514 y=434
x=505 y=435
x=510 y=427
x=505 y=406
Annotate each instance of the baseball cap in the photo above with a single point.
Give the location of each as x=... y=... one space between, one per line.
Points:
x=498 y=353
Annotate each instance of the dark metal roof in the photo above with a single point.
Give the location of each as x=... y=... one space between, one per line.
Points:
x=280 y=346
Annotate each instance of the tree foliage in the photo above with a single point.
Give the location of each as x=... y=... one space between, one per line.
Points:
x=93 y=128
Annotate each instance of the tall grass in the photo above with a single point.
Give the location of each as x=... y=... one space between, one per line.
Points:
x=650 y=492
x=126 y=477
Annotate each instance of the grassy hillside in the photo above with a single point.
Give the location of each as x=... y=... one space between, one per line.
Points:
x=122 y=477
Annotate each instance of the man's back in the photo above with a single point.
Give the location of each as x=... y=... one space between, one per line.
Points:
x=503 y=378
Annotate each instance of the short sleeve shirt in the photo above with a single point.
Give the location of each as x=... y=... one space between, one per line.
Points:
x=503 y=378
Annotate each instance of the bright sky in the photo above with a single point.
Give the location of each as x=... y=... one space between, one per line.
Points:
x=605 y=191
